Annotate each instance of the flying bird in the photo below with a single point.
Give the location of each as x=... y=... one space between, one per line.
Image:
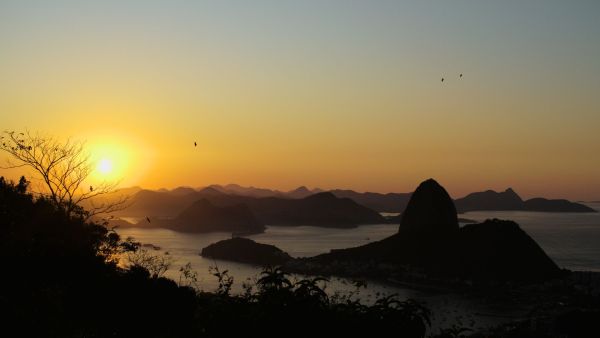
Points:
x=460 y=75
x=195 y=144
x=148 y=219
x=442 y=79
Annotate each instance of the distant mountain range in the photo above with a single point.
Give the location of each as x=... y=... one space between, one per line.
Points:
x=302 y=206
x=391 y=202
x=488 y=200
x=509 y=200
x=320 y=209
x=173 y=201
x=235 y=189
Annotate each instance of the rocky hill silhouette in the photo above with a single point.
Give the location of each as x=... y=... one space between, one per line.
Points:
x=430 y=211
x=500 y=251
x=430 y=245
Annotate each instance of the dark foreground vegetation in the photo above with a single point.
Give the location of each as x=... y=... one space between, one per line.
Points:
x=62 y=280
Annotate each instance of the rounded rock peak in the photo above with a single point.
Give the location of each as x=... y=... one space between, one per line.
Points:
x=430 y=211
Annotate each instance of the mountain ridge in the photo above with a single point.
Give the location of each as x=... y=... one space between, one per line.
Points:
x=322 y=209
x=173 y=201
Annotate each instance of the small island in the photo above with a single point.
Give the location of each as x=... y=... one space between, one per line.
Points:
x=245 y=250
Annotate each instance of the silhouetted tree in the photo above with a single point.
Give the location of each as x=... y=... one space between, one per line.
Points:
x=63 y=167
x=156 y=265
x=187 y=276
x=310 y=289
x=225 y=280
x=273 y=278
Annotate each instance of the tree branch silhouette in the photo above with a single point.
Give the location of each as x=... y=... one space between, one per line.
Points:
x=63 y=166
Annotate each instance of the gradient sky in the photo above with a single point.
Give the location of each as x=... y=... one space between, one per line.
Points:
x=334 y=94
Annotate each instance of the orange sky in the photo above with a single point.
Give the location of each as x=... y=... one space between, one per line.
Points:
x=333 y=96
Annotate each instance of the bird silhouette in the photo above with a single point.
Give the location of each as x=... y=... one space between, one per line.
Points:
x=442 y=79
x=148 y=219
x=195 y=144
x=460 y=75
x=91 y=188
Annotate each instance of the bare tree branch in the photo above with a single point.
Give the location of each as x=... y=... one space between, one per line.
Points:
x=63 y=167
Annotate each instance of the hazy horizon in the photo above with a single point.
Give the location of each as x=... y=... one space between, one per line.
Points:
x=340 y=94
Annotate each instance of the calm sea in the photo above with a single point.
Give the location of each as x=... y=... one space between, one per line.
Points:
x=571 y=239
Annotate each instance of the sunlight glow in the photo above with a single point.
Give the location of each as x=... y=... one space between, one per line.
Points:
x=105 y=166
x=117 y=157
x=111 y=160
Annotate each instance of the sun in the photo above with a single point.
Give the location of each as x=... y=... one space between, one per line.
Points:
x=110 y=161
x=116 y=158
x=105 y=166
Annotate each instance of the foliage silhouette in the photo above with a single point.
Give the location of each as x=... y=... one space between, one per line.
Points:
x=63 y=167
x=225 y=280
x=65 y=281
